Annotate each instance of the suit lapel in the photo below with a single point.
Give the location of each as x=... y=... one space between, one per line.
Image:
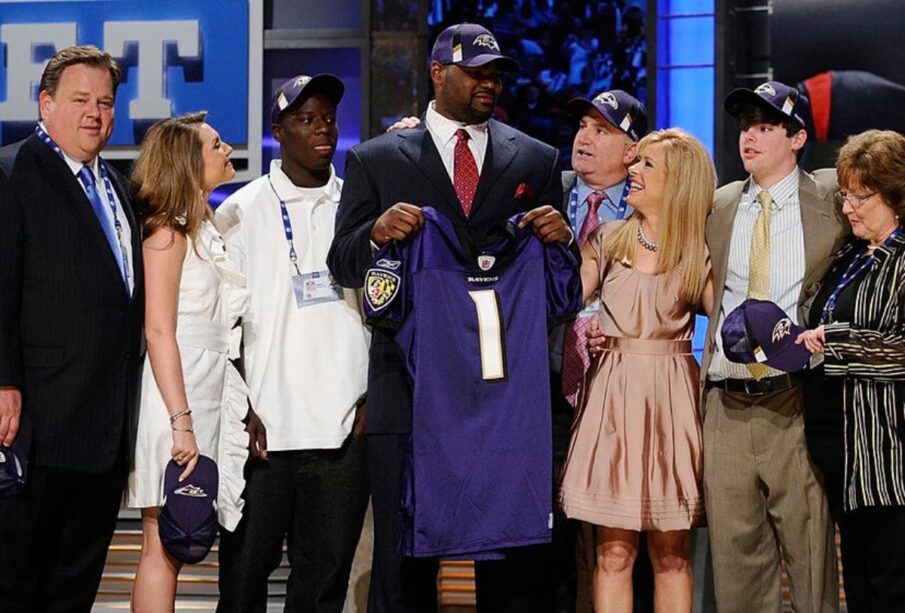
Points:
x=819 y=228
x=500 y=152
x=418 y=146
x=60 y=179
x=719 y=236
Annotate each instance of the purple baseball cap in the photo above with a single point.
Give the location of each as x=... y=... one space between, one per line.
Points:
x=13 y=469
x=299 y=88
x=187 y=522
x=758 y=331
x=470 y=45
x=619 y=108
x=774 y=96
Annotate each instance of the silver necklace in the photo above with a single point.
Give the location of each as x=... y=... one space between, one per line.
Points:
x=644 y=242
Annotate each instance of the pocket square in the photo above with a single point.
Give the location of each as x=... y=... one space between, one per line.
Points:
x=523 y=191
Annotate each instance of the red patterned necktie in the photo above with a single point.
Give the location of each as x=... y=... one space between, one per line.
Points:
x=465 y=171
x=575 y=358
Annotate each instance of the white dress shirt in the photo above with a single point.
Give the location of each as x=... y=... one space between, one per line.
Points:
x=443 y=131
x=787 y=263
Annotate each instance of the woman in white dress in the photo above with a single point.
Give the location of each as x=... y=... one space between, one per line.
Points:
x=193 y=400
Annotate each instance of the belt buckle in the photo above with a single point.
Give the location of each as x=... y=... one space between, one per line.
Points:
x=756 y=391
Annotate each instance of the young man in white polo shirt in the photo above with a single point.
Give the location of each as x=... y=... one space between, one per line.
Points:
x=306 y=361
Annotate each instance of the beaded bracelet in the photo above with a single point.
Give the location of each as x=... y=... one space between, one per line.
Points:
x=179 y=414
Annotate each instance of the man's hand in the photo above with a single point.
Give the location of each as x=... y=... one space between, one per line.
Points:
x=404 y=123
x=10 y=410
x=359 y=426
x=548 y=224
x=397 y=223
x=257 y=436
x=595 y=337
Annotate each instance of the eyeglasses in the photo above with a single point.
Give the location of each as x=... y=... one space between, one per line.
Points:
x=856 y=201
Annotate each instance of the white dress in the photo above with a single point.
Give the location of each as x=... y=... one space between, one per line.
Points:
x=212 y=296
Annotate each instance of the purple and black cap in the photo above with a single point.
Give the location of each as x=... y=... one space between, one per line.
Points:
x=773 y=96
x=187 y=522
x=13 y=469
x=470 y=45
x=298 y=89
x=622 y=110
x=758 y=331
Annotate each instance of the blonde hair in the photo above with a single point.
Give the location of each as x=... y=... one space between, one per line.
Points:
x=687 y=198
x=166 y=178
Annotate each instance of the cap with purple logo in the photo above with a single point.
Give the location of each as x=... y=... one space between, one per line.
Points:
x=187 y=522
x=622 y=110
x=772 y=95
x=758 y=331
x=298 y=89
x=13 y=469
x=470 y=45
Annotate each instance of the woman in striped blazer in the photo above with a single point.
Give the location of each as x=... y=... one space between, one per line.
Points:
x=857 y=408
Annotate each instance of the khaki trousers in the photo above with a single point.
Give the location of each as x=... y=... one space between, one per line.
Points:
x=765 y=503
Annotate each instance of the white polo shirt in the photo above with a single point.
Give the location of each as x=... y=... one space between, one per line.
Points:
x=305 y=367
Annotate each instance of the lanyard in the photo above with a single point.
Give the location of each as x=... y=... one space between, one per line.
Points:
x=573 y=203
x=108 y=187
x=287 y=227
x=857 y=266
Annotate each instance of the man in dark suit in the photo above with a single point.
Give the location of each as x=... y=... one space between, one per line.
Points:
x=388 y=179
x=70 y=329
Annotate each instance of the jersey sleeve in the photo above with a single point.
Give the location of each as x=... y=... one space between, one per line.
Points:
x=562 y=269
x=386 y=303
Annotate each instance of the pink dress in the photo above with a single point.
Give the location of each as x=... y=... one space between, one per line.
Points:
x=635 y=456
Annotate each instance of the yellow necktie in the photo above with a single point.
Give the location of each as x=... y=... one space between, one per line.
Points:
x=759 y=263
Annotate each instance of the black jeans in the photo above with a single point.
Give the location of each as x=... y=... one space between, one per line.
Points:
x=316 y=499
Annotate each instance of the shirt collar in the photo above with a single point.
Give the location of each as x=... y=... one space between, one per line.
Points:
x=613 y=192
x=783 y=192
x=74 y=165
x=290 y=192
x=445 y=128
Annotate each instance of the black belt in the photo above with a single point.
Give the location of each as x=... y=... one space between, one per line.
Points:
x=756 y=387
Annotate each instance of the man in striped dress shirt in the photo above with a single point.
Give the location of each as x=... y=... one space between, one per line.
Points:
x=770 y=237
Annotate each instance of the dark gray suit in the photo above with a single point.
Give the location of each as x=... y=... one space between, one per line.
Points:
x=70 y=341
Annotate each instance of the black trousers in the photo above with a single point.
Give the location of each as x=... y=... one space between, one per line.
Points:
x=873 y=559
x=54 y=539
x=518 y=584
x=316 y=499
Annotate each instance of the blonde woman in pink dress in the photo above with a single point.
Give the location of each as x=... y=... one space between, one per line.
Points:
x=635 y=457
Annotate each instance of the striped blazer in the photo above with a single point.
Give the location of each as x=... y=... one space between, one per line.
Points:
x=869 y=353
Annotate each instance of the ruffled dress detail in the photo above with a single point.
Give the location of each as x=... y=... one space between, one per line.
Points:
x=212 y=297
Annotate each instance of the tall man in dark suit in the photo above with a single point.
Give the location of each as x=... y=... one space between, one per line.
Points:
x=470 y=169
x=70 y=328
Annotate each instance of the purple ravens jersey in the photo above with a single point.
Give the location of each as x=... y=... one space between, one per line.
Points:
x=472 y=328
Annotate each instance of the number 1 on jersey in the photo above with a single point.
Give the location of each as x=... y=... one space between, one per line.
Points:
x=490 y=334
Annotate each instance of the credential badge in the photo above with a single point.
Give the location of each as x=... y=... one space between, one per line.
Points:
x=381 y=286
x=485 y=262
x=782 y=328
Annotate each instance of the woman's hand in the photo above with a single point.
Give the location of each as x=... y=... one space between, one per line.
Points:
x=185 y=447
x=814 y=340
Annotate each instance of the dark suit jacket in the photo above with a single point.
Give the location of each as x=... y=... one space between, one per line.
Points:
x=404 y=166
x=69 y=333
x=825 y=231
